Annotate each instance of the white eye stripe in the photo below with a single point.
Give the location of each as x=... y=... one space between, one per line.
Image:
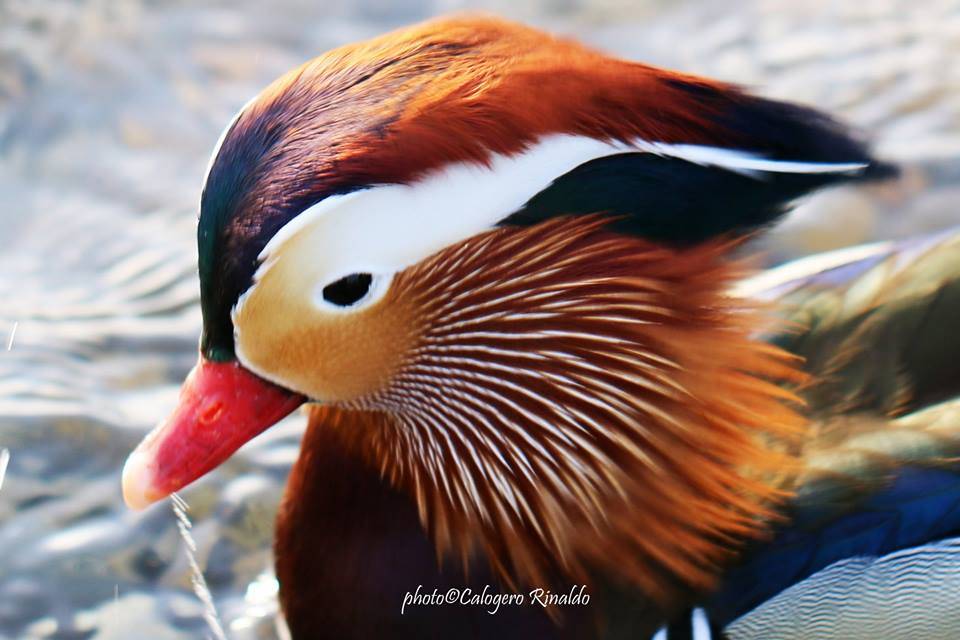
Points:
x=386 y=228
x=743 y=161
x=406 y=223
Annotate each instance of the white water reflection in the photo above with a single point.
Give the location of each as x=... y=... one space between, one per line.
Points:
x=199 y=583
x=4 y=461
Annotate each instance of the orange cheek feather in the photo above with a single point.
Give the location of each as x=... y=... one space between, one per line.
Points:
x=330 y=356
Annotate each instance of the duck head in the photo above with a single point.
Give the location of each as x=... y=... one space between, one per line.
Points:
x=511 y=253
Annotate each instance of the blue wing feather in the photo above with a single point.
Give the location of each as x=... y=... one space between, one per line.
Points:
x=918 y=506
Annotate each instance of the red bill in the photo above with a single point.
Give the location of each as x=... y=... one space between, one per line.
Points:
x=221 y=407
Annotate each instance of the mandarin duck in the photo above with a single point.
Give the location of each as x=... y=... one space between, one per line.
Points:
x=505 y=273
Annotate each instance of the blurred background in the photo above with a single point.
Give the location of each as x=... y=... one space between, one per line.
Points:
x=108 y=113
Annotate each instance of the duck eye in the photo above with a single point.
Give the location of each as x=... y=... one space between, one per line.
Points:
x=348 y=289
